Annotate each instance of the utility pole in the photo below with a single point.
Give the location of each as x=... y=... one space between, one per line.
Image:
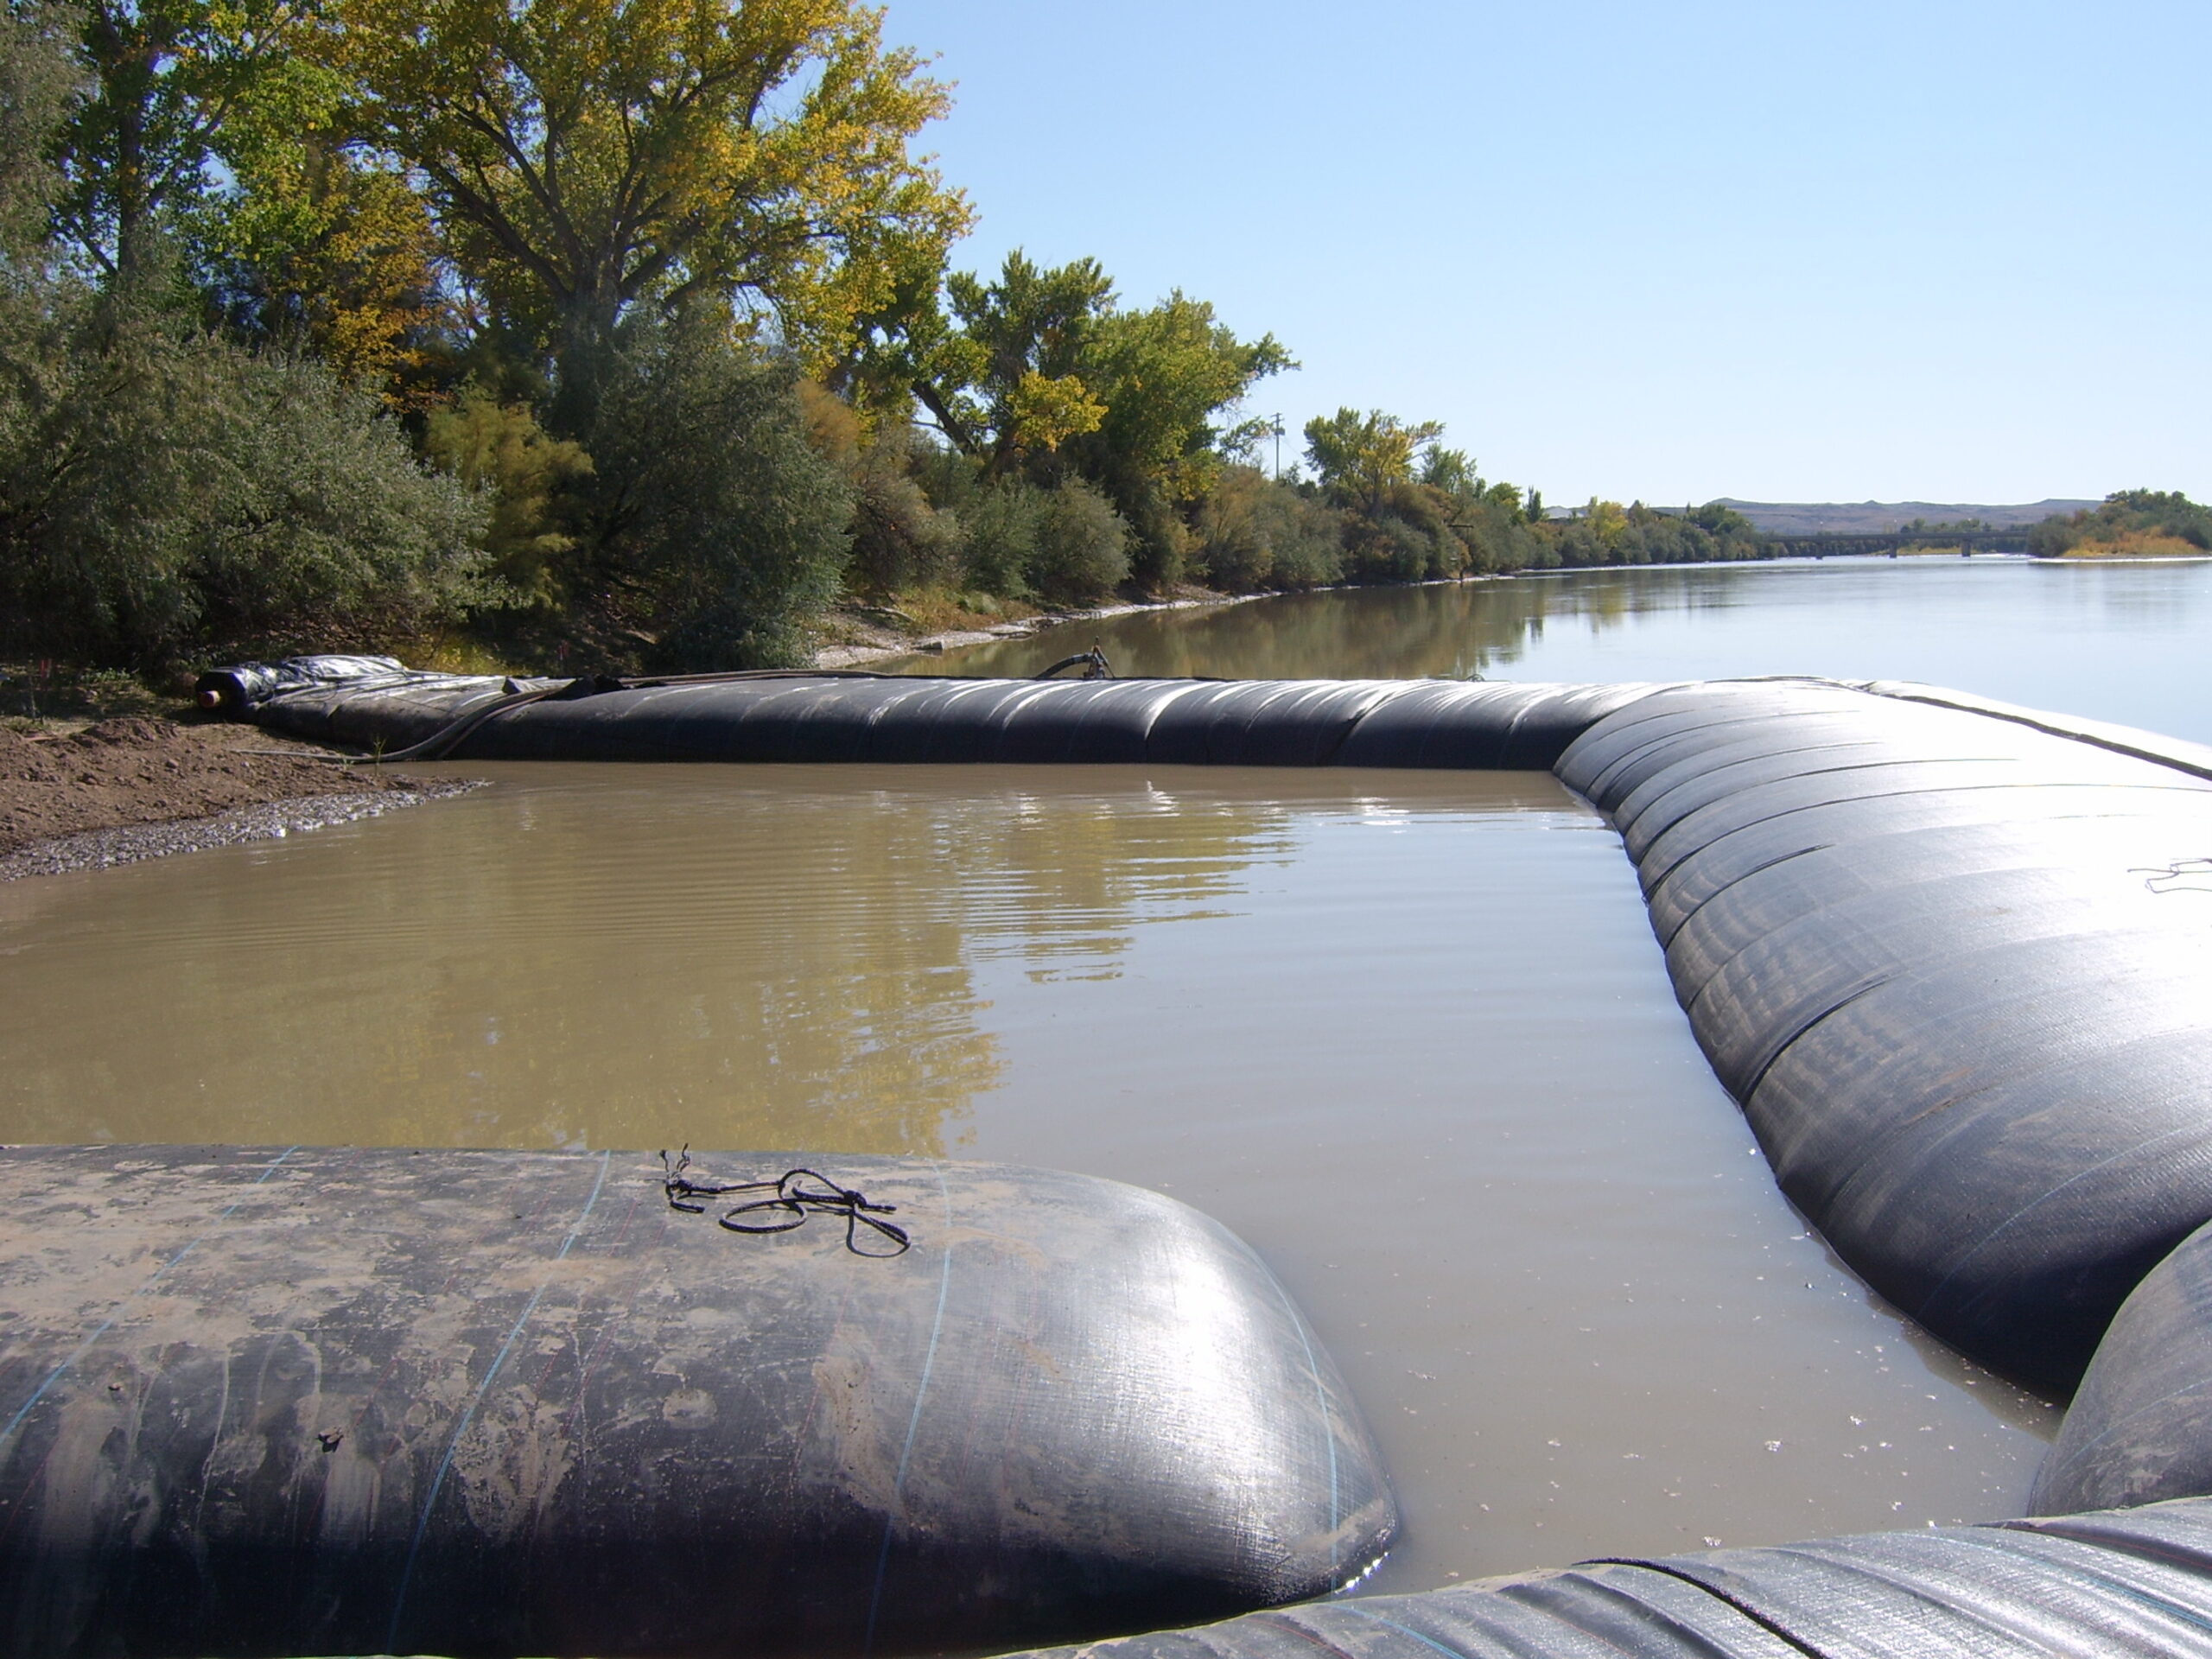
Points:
x=1278 y=432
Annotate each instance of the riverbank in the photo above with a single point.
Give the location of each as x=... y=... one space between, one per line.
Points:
x=138 y=787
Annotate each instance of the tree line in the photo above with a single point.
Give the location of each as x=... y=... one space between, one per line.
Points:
x=2137 y=523
x=615 y=334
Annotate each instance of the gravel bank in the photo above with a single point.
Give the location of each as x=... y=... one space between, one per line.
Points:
x=130 y=789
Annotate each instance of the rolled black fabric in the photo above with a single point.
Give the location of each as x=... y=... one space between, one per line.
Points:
x=2140 y=1427
x=237 y=691
x=911 y=719
x=263 y=1403
x=1929 y=952
x=2137 y=1583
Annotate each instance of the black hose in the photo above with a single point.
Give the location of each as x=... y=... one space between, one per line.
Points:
x=448 y=737
x=1092 y=662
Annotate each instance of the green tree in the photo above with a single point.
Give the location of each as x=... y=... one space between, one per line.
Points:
x=583 y=156
x=38 y=79
x=1361 y=458
x=2152 y=522
x=1172 y=381
x=1047 y=376
x=164 y=76
x=713 y=532
x=314 y=244
x=1014 y=387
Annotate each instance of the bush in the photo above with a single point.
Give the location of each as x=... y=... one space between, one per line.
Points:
x=716 y=531
x=164 y=495
x=527 y=479
x=899 y=541
x=1255 y=533
x=2133 y=521
x=998 y=543
x=1081 y=548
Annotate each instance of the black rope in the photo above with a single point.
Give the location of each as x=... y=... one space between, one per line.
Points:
x=792 y=1202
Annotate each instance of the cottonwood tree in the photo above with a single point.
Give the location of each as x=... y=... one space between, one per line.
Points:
x=164 y=76
x=1361 y=458
x=583 y=156
x=1040 y=374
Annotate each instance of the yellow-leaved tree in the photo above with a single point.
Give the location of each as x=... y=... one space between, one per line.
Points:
x=583 y=157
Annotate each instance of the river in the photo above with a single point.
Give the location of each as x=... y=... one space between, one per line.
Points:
x=1407 y=1033
x=2121 y=641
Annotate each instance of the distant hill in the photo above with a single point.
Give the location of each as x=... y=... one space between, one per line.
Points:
x=1874 y=517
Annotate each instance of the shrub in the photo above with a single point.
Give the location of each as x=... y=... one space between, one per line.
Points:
x=165 y=495
x=1081 y=551
x=716 y=531
x=527 y=480
x=1258 y=532
x=999 y=527
x=900 y=540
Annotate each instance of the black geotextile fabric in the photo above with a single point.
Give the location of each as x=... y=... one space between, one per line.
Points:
x=1951 y=967
x=901 y=718
x=2139 y=1428
x=338 y=1401
x=2138 y=1582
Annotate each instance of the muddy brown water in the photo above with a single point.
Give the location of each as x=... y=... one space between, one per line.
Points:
x=1408 y=1033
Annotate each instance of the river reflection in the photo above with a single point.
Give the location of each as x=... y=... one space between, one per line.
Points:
x=601 y=955
x=2114 y=641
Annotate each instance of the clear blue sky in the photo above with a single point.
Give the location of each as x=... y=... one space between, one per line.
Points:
x=1781 y=250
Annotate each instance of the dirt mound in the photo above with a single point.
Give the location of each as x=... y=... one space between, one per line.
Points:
x=135 y=771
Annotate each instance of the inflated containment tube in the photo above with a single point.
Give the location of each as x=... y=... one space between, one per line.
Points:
x=1953 y=958
x=271 y=1403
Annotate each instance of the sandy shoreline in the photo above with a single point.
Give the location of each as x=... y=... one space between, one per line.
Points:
x=100 y=849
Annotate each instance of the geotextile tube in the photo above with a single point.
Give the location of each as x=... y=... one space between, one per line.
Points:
x=2135 y=1582
x=274 y=1402
x=2139 y=1428
x=1953 y=958
x=901 y=718
x=1931 y=953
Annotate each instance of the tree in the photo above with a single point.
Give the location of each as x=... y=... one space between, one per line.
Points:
x=1166 y=375
x=1361 y=458
x=584 y=156
x=1012 y=387
x=165 y=76
x=314 y=244
x=1047 y=377
x=38 y=78
x=712 y=532
x=2143 y=522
